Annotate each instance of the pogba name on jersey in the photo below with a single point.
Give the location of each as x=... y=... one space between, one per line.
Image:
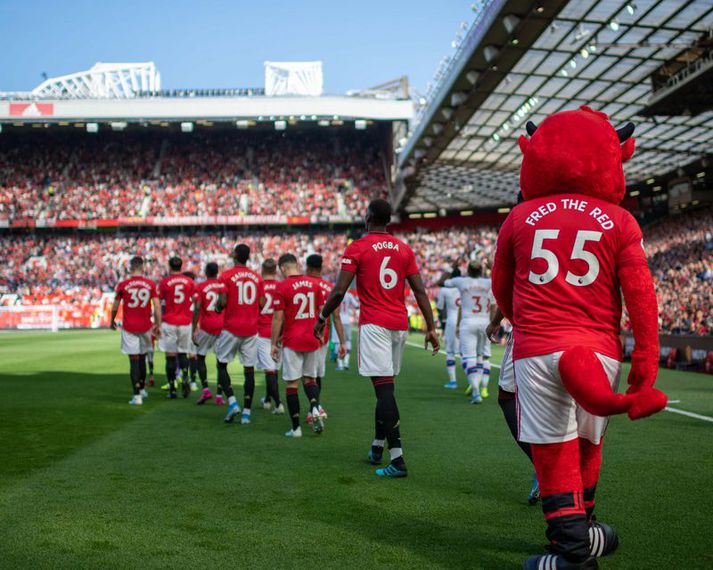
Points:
x=571 y=204
x=376 y=246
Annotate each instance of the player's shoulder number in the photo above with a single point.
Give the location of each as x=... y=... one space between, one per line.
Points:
x=539 y=251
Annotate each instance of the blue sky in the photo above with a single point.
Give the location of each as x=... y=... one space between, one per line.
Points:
x=218 y=43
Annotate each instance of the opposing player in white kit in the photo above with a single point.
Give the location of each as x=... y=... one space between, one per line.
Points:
x=347 y=310
x=449 y=302
x=475 y=307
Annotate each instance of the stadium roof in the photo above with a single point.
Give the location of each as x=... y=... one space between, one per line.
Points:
x=524 y=61
x=214 y=108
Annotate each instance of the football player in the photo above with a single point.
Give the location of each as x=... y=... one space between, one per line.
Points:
x=382 y=265
x=140 y=298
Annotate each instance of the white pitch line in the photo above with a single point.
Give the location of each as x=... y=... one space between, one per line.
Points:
x=689 y=414
x=667 y=408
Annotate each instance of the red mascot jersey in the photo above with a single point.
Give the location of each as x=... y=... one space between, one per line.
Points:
x=567 y=249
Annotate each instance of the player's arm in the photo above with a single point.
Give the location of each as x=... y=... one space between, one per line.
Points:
x=460 y=316
x=278 y=321
x=115 y=310
x=196 y=316
x=496 y=316
x=344 y=279
x=419 y=291
x=156 y=316
x=222 y=302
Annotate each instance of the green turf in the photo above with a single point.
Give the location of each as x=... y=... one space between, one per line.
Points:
x=87 y=481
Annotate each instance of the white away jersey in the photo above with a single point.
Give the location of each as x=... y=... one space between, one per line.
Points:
x=476 y=295
x=348 y=308
x=449 y=299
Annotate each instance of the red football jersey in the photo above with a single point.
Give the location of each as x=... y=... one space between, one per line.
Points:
x=301 y=298
x=176 y=291
x=264 y=322
x=244 y=289
x=566 y=251
x=326 y=288
x=136 y=294
x=381 y=263
x=208 y=292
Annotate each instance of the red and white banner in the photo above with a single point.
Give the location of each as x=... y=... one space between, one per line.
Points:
x=31 y=110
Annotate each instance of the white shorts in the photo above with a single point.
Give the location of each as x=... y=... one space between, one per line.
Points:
x=135 y=343
x=474 y=343
x=450 y=336
x=206 y=343
x=229 y=345
x=264 y=354
x=506 y=378
x=176 y=338
x=546 y=411
x=296 y=364
x=322 y=360
x=380 y=350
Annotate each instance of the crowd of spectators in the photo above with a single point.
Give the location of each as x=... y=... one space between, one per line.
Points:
x=680 y=253
x=45 y=268
x=77 y=176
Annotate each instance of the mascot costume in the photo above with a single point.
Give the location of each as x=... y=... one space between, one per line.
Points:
x=565 y=256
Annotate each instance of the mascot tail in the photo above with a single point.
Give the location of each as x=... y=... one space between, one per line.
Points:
x=585 y=379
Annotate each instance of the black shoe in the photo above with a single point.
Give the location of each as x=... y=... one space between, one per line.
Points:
x=185 y=389
x=171 y=396
x=375 y=455
x=603 y=539
x=557 y=562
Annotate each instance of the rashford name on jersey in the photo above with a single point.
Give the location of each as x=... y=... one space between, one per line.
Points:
x=566 y=251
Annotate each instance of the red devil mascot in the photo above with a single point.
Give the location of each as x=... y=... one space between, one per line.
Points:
x=565 y=256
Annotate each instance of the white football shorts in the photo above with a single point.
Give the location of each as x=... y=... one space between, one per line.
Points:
x=229 y=345
x=474 y=343
x=546 y=411
x=264 y=354
x=135 y=343
x=297 y=364
x=322 y=360
x=449 y=334
x=380 y=350
x=176 y=339
x=206 y=343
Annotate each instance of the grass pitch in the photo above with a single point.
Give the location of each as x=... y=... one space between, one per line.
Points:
x=87 y=481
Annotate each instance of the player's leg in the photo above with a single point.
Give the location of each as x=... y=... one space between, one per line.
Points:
x=450 y=337
x=183 y=367
x=548 y=423
x=388 y=410
x=219 y=400
x=168 y=343
x=347 y=345
x=206 y=343
x=291 y=374
x=321 y=367
x=149 y=360
x=193 y=369
x=484 y=348
x=225 y=350
x=265 y=362
x=248 y=358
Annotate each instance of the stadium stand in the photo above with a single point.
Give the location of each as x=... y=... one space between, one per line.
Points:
x=80 y=269
x=72 y=176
